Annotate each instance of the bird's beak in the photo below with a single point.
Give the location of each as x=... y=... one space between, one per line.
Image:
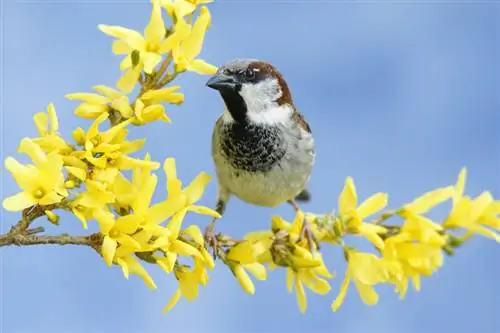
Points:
x=221 y=81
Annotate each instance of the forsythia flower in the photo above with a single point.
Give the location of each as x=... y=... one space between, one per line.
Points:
x=311 y=278
x=189 y=48
x=42 y=183
x=354 y=216
x=150 y=46
x=96 y=104
x=470 y=214
x=406 y=258
x=48 y=125
x=117 y=232
x=366 y=270
x=109 y=149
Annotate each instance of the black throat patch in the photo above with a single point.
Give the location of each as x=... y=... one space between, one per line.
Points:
x=236 y=106
x=252 y=148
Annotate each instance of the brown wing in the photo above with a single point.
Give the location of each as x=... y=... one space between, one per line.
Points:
x=299 y=118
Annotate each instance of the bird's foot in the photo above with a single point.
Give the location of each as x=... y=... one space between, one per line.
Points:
x=307 y=234
x=211 y=238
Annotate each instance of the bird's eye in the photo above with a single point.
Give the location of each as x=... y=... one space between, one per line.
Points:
x=249 y=73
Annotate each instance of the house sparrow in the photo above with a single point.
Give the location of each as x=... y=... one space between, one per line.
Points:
x=262 y=146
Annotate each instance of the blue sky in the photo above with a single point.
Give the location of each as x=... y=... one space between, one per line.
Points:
x=399 y=96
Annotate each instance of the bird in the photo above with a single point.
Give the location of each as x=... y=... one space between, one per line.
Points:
x=262 y=146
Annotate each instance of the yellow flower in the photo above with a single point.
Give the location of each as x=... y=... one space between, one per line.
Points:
x=116 y=232
x=130 y=265
x=189 y=48
x=366 y=270
x=48 y=126
x=42 y=183
x=150 y=47
x=112 y=148
x=471 y=214
x=422 y=229
x=407 y=258
x=240 y=272
x=96 y=104
x=189 y=282
x=311 y=278
x=354 y=215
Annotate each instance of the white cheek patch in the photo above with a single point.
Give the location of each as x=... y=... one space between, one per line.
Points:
x=262 y=95
x=262 y=107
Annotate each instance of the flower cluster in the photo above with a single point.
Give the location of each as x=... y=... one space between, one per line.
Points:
x=88 y=177
x=97 y=178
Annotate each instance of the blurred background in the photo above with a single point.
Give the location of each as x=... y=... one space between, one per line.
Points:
x=399 y=96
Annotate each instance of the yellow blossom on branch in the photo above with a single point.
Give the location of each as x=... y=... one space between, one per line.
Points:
x=42 y=183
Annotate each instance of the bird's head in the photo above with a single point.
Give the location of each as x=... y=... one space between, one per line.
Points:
x=253 y=91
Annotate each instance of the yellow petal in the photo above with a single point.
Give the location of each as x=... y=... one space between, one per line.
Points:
x=257 y=270
x=131 y=37
x=301 y=295
x=480 y=204
x=108 y=250
x=150 y=59
x=155 y=30
x=173 y=301
x=416 y=282
x=367 y=293
x=41 y=122
x=120 y=47
x=105 y=219
x=89 y=98
x=208 y=258
x=169 y=168
x=184 y=249
x=460 y=185
x=19 y=202
x=343 y=292
x=136 y=268
x=54 y=122
x=109 y=92
x=189 y=286
x=348 y=198
x=28 y=147
x=195 y=190
x=243 y=279
x=195 y=234
x=242 y=253
x=201 y=67
x=290 y=278
x=193 y=43
x=128 y=241
x=128 y=224
x=129 y=79
x=316 y=284
x=373 y=204
x=90 y=111
x=122 y=104
x=175 y=223
x=204 y=211
x=160 y=95
x=427 y=201
x=77 y=172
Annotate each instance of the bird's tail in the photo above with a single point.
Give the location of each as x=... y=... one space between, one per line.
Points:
x=303 y=196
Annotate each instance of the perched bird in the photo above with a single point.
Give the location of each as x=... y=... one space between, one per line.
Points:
x=262 y=147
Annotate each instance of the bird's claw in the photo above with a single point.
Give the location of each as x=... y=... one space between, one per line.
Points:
x=307 y=234
x=211 y=239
